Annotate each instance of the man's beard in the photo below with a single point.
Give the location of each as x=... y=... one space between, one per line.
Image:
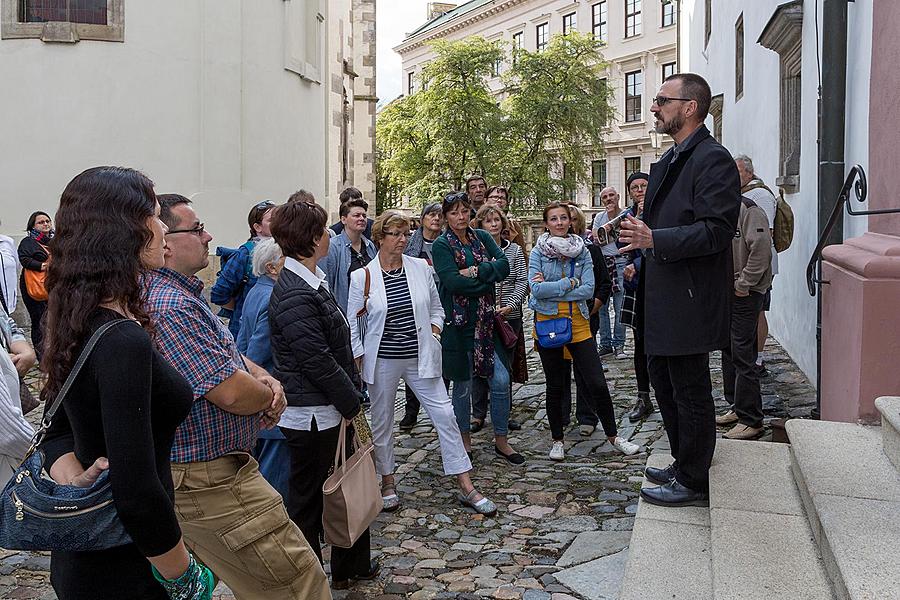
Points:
x=672 y=126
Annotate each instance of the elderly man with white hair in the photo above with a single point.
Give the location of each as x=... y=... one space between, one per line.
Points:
x=612 y=340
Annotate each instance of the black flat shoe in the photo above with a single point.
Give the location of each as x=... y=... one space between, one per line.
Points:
x=514 y=458
x=674 y=494
x=660 y=476
x=476 y=425
x=374 y=569
x=408 y=421
x=513 y=425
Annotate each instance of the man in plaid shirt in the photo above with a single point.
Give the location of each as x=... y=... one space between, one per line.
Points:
x=232 y=519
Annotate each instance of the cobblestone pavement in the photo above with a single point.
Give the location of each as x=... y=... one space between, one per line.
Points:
x=561 y=531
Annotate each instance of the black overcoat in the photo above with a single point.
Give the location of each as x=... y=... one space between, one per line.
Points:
x=687 y=281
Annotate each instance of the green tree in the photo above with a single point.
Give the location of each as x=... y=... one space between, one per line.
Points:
x=551 y=111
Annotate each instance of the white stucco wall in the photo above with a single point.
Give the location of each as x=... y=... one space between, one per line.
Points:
x=198 y=98
x=751 y=126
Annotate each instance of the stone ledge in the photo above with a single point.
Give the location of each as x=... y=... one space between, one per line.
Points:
x=872 y=255
x=889 y=407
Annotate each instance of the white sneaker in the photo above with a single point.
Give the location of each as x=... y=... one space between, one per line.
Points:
x=625 y=447
x=557 y=452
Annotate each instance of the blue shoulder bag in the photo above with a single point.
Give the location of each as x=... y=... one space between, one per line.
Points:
x=555 y=333
x=36 y=513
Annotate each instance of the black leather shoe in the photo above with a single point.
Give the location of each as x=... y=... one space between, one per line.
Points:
x=374 y=569
x=643 y=408
x=513 y=425
x=674 y=494
x=408 y=421
x=660 y=476
x=476 y=426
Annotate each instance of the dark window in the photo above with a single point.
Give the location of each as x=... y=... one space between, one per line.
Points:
x=516 y=44
x=708 y=23
x=669 y=16
x=495 y=68
x=598 y=181
x=632 y=165
x=92 y=12
x=668 y=69
x=410 y=83
x=569 y=23
x=598 y=21
x=632 y=18
x=634 y=84
x=739 y=58
x=569 y=189
x=542 y=35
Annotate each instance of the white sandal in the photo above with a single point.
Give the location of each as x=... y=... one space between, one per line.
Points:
x=391 y=502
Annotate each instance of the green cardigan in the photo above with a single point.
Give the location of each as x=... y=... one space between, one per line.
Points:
x=458 y=341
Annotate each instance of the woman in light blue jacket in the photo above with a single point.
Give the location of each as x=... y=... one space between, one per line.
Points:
x=561 y=276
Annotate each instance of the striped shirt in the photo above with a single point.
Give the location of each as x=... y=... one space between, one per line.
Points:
x=201 y=348
x=399 y=338
x=513 y=290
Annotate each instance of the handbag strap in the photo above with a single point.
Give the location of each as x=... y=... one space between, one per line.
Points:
x=362 y=312
x=340 y=453
x=70 y=380
x=572 y=275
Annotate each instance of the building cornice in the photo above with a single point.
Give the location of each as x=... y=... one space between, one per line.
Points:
x=461 y=22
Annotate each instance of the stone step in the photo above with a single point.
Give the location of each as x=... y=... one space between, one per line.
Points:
x=889 y=407
x=669 y=554
x=851 y=495
x=762 y=545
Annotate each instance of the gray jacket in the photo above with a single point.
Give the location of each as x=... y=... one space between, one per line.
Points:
x=751 y=250
x=337 y=266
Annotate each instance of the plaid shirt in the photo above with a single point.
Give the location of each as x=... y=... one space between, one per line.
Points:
x=202 y=349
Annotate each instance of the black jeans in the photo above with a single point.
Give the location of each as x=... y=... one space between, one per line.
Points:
x=312 y=455
x=597 y=398
x=740 y=379
x=640 y=363
x=684 y=394
x=36 y=310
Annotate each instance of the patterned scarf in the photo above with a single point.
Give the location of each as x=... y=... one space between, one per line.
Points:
x=41 y=237
x=483 y=349
x=551 y=246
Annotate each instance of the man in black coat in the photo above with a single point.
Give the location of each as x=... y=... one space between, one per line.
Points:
x=686 y=286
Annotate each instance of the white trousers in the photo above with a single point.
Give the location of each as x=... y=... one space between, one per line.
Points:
x=434 y=399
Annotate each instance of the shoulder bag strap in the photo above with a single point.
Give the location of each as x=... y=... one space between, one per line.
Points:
x=70 y=380
x=572 y=271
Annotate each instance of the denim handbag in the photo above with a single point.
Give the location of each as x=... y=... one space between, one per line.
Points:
x=555 y=333
x=36 y=513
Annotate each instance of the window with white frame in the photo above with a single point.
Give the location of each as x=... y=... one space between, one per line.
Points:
x=569 y=187
x=569 y=23
x=410 y=83
x=634 y=87
x=66 y=21
x=669 y=13
x=517 y=44
x=632 y=18
x=668 y=69
x=599 y=21
x=632 y=165
x=598 y=181
x=542 y=36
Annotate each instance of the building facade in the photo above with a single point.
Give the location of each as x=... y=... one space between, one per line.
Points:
x=640 y=47
x=230 y=103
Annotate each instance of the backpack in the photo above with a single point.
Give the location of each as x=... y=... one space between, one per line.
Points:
x=783 y=229
x=226 y=254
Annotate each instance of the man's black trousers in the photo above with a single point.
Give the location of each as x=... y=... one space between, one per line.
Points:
x=740 y=378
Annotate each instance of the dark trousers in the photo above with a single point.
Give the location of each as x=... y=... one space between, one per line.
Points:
x=684 y=394
x=585 y=410
x=36 y=310
x=640 y=363
x=312 y=455
x=587 y=361
x=740 y=379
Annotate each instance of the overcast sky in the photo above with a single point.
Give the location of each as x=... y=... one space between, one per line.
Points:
x=395 y=18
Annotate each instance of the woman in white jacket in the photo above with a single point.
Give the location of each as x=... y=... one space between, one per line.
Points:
x=16 y=357
x=400 y=337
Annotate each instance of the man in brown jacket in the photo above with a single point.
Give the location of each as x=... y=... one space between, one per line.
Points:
x=752 y=256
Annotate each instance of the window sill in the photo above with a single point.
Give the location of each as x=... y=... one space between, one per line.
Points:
x=62 y=32
x=789 y=184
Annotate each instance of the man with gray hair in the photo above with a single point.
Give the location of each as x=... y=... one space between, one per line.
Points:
x=753 y=187
x=612 y=339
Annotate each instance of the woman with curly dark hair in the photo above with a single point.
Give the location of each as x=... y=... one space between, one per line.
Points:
x=108 y=234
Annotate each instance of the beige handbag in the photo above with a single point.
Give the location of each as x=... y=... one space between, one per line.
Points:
x=351 y=494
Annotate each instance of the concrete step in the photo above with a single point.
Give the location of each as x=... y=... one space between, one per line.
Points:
x=669 y=555
x=889 y=407
x=762 y=545
x=851 y=496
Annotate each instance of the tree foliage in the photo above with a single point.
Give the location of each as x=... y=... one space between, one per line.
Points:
x=552 y=109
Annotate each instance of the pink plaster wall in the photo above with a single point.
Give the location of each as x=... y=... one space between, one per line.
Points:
x=884 y=176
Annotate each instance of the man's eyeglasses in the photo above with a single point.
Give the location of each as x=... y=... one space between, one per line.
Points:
x=398 y=234
x=663 y=100
x=638 y=187
x=198 y=230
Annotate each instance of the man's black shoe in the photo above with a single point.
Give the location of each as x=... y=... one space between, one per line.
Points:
x=513 y=425
x=643 y=407
x=408 y=421
x=660 y=476
x=674 y=494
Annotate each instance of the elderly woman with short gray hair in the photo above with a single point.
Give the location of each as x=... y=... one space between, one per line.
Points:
x=402 y=339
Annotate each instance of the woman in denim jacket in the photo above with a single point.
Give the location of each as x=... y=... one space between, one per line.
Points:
x=559 y=290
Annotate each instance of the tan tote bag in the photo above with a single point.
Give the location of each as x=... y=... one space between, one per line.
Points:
x=351 y=494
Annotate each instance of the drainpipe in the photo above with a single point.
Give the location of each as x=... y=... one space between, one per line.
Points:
x=832 y=112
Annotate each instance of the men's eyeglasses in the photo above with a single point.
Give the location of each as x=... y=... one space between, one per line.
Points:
x=663 y=100
x=264 y=204
x=495 y=197
x=397 y=234
x=638 y=187
x=198 y=230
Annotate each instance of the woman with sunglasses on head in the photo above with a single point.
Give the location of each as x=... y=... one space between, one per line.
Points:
x=34 y=254
x=469 y=263
x=561 y=273
x=122 y=411
x=236 y=278
x=402 y=339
